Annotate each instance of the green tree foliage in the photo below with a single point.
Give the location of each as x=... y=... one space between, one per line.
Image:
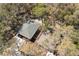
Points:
x=75 y=38
x=39 y=10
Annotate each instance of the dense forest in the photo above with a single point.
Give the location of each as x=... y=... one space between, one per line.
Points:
x=12 y=16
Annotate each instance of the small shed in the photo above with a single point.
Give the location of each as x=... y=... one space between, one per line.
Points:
x=30 y=30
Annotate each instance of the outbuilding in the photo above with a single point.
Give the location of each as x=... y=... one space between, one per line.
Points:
x=30 y=30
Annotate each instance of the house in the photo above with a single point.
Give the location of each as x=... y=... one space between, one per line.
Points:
x=30 y=30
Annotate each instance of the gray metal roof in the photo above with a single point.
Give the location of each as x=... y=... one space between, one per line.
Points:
x=29 y=29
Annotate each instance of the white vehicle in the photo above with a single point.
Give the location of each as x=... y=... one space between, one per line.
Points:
x=49 y=54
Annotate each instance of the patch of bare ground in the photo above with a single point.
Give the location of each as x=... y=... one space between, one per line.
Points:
x=30 y=48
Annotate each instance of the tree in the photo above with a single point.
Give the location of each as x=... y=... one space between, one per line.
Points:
x=39 y=10
x=75 y=38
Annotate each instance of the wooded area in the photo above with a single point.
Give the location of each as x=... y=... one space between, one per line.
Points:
x=12 y=16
